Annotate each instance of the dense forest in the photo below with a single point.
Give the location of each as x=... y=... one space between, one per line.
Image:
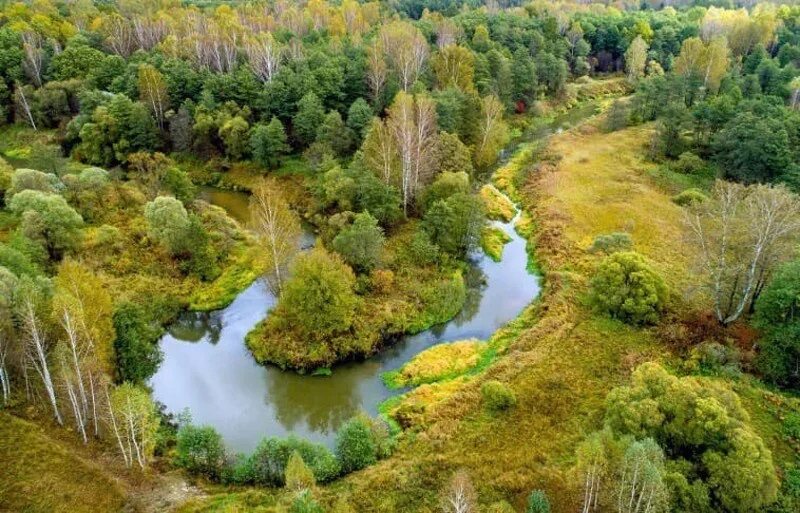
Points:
x=647 y=153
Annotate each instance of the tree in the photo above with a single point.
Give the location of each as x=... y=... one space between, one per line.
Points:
x=361 y=243
x=49 y=220
x=377 y=72
x=492 y=133
x=200 y=450
x=134 y=422
x=310 y=115
x=778 y=317
x=270 y=460
x=538 y=502
x=454 y=223
x=278 y=228
x=298 y=476
x=31 y=298
x=451 y=155
x=234 y=134
x=636 y=59
x=406 y=49
x=742 y=234
x=8 y=283
x=412 y=122
x=359 y=117
x=318 y=300
x=707 y=62
x=153 y=92
x=380 y=152
x=641 y=487
x=355 y=444
x=459 y=496
x=627 y=288
x=335 y=134
x=136 y=344
x=167 y=223
x=265 y=55
x=454 y=66
x=268 y=143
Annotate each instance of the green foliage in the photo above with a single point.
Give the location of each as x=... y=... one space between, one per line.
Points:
x=136 y=345
x=359 y=116
x=670 y=138
x=30 y=179
x=497 y=396
x=78 y=60
x=305 y=503
x=778 y=317
x=538 y=502
x=689 y=163
x=452 y=155
x=48 y=220
x=268 y=463
x=234 y=134
x=268 y=143
x=454 y=224
x=200 y=450
x=360 y=244
x=445 y=185
x=335 y=134
x=298 y=476
x=167 y=223
x=355 y=445
x=705 y=430
x=611 y=243
x=627 y=288
x=319 y=299
x=690 y=197
x=421 y=250
x=310 y=115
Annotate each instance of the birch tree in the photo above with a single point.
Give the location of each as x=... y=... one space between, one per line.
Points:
x=264 y=55
x=492 y=132
x=406 y=49
x=8 y=282
x=706 y=61
x=641 y=488
x=376 y=71
x=459 y=496
x=277 y=227
x=742 y=233
x=636 y=59
x=412 y=122
x=133 y=419
x=30 y=301
x=153 y=92
x=32 y=47
x=592 y=468
x=380 y=152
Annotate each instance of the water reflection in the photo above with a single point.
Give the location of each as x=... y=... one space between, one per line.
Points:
x=208 y=369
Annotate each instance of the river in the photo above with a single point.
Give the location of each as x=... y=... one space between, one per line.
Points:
x=208 y=369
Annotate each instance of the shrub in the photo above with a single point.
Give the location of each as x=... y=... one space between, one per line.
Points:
x=360 y=244
x=689 y=197
x=611 y=243
x=454 y=224
x=421 y=250
x=355 y=444
x=32 y=180
x=267 y=465
x=627 y=288
x=497 y=396
x=200 y=450
x=48 y=220
x=538 y=502
x=298 y=476
x=689 y=163
x=791 y=426
x=167 y=223
x=305 y=503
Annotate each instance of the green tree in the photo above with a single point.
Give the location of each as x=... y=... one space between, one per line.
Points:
x=752 y=148
x=268 y=143
x=135 y=422
x=319 y=299
x=136 y=344
x=446 y=184
x=335 y=134
x=538 y=502
x=361 y=243
x=268 y=463
x=626 y=287
x=355 y=444
x=359 y=118
x=200 y=450
x=233 y=133
x=636 y=59
x=451 y=155
x=76 y=61
x=298 y=476
x=306 y=122
x=48 y=220
x=167 y=223
x=454 y=224
x=778 y=317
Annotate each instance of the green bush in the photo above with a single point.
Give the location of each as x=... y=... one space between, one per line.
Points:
x=267 y=465
x=355 y=445
x=305 y=503
x=689 y=163
x=200 y=450
x=627 y=288
x=361 y=243
x=136 y=346
x=538 y=502
x=497 y=396
x=791 y=425
x=611 y=243
x=298 y=476
x=689 y=197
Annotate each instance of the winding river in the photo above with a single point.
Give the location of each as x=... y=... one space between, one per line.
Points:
x=208 y=369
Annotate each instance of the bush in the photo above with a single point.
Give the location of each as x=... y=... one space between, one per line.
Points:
x=167 y=223
x=305 y=503
x=627 y=288
x=611 y=243
x=267 y=465
x=689 y=163
x=298 y=476
x=355 y=445
x=791 y=425
x=360 y=244
x=420 y=250
x=200 y=450
x=538 y=502
x=497 y=396
x=48 y=220
x=689 y=197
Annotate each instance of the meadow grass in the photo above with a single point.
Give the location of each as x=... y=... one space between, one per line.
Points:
x=42 y=475
x=498 y=207
x=493 y=239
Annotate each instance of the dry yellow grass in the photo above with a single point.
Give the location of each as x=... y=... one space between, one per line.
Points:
x=440 y=361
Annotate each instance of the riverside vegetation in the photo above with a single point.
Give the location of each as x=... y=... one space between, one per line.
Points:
x=658 y=371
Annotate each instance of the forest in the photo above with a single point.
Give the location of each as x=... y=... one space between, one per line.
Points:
x=458 y=256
